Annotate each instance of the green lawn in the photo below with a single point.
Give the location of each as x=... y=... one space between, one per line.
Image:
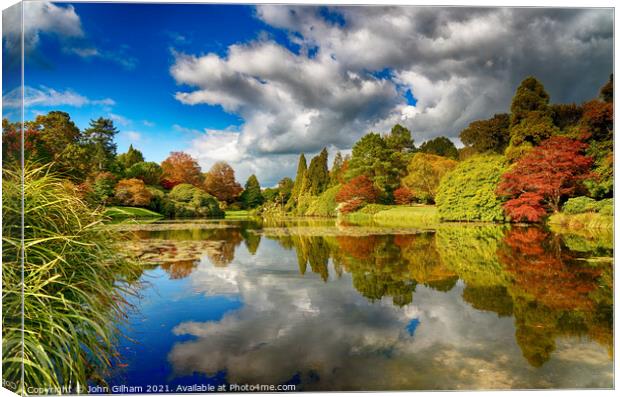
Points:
x=237 y=214
x=130 y=212
x=423 y=216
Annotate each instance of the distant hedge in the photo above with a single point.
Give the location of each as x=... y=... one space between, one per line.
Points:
x=467 y=193
x=582 y=204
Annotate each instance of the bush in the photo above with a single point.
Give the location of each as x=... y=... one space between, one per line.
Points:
x=582 y=204
x=325 y=204
x=132 y=192
x=579 y=205
x=467 y=193
x=75 y=284
x=403 y=196
x=186 y=200
x=149 y=172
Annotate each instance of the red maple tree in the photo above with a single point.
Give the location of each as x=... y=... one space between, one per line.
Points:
x=403 y=195
x=357 y=192
x=541 y=179
x=180 y=168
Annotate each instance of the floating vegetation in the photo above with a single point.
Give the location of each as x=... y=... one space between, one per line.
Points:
x=159 y=251
x=164 y=226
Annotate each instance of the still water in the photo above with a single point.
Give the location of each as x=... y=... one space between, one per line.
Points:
x=335 y=307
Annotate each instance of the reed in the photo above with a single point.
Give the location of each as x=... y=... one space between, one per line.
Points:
x=74 y=287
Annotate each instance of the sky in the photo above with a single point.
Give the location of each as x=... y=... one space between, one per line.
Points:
x=257 y=85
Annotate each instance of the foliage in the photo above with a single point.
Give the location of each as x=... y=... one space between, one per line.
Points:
x=544 y=177
x=74 y=287
x=424 y=174
x=220 y=182
x=180 y=168
x=578 y=205
x=533 y=128
x=186 y=200
x=566 y=115
x=403 y=196
x=467 y=193
x=336 y=174
x=316 y=178
x=285 y=189
x=440 y=146
x=491 y=135
x=149 y=172
x=132 y=192
x=99 y=136
x=299 y=177
x=607 y=91
x=325 y=204
x=529 y=97
x=597 y=121
x=133 y=156
x=103 y=187
x=252 y=196
x=356 y=192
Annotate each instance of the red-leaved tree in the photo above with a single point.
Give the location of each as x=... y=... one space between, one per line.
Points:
x=357 y=192
x=180 y=168
x=403 y=195
x=541 y=179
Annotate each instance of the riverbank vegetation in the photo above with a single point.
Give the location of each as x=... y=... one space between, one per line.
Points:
x=74 y=283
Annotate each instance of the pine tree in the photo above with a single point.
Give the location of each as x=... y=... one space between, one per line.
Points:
x=252 y=196
x=133 y=156
x=100 y=138
x=335 y=174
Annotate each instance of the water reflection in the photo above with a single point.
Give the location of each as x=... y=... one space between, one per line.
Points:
x=459 y=307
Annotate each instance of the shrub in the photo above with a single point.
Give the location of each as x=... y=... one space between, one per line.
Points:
x=183 y=192
x=579 y=205
x=132 y=192
x=325 y=204
x=403 y=196
x=75 y=284
x=467 y=193
x=424 y=174
x=186 y=200
x=102 y=188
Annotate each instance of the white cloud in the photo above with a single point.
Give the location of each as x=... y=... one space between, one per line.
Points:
x=49 y=97
x=461 y=64
x=118 y=119
x=39 y=17
x=132 y=136
x=148 y=123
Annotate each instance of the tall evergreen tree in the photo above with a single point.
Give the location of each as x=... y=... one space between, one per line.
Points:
x=99 y=136
x=317 y=176
x=302 y=167
x=252 y=196
x=335 y=174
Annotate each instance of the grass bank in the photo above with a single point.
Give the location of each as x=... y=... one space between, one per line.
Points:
x=234 y=214
x=130 y=212
x=421 y=216
x=588 y=220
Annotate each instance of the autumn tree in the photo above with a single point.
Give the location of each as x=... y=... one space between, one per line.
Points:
x=424 y=174
x=491 y=135
x=179 y=168
x=356 y=193
x=99 y=136
x=252 y=196
x=131 y=157
x=220 y=182
x=540 y=180
x=403 y=196
x=132 y=192
x=440 y=146
x=607 y=91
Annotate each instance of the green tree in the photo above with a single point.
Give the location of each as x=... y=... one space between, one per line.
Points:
x=99 y=136
x=317 y=177
x=372 y=157
x=302 y=167
x=133 y=156
x=150 y=172
x=607 y=91
x=399 y=139
x=285 y=188
x=529 y=97
x=335 y=174
x=491 y=135
x=467 y=193
x=252 y=196
x=440 y=146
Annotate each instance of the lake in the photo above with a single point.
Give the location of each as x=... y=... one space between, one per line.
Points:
x=327 y=306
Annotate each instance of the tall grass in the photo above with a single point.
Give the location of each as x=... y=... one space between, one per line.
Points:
x=74 y=285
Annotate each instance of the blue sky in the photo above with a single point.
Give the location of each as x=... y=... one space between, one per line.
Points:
x=257 y=85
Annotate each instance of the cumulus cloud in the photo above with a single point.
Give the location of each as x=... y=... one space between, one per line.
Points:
x=39 y=17
x=49 y=97
x=354 y=65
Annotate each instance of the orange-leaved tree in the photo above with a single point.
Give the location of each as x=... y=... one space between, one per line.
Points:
x=220 y=182
x=180 y=168
x=356 y=193
x=539 y=181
